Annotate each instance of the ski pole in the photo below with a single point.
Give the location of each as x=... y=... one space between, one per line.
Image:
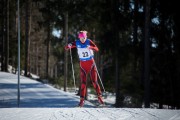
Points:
x=98 y=73
x=73 y=70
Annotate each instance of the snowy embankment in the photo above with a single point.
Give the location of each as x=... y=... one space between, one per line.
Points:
x=43 y=102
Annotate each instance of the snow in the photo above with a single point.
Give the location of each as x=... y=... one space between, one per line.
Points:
x=40 y=101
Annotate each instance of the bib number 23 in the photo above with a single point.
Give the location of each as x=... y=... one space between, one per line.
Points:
x=85 y=54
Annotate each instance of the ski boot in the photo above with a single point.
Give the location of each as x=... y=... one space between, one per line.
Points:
x=81 y=103
x=101 y=103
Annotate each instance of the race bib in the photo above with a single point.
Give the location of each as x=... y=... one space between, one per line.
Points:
x=85 y=53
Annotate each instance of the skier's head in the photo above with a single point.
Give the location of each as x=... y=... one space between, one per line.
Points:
x=82 y=36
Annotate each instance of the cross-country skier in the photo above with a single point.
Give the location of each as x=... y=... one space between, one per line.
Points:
x=85 y=48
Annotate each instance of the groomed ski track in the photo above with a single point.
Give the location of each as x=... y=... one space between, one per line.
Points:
x=40 y=101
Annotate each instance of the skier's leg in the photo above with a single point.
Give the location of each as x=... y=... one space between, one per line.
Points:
x=83 y=77
x=93 y=75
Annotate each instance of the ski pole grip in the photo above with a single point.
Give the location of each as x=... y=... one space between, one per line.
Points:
x=69 y=45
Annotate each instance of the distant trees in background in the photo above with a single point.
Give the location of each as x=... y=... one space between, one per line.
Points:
x=138 y=59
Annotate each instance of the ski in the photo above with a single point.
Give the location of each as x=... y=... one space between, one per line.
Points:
x=78 y=107
x=101 y=106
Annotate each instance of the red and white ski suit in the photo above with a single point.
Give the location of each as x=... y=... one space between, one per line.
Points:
x=87 y=64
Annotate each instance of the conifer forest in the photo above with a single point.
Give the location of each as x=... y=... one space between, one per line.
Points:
x=138 y=41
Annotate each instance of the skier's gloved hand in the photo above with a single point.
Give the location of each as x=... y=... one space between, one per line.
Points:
x=69 y=45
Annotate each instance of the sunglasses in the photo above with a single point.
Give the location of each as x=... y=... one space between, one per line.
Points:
x=82 y=38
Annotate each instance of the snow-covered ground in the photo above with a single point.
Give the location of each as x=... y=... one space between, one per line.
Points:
x=40 y=101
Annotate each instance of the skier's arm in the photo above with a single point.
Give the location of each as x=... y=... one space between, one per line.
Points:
x=70 y=45
x=93 y=46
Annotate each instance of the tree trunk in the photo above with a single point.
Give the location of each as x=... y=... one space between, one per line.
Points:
x=66 y=53
x=118 y=95
x=47 y=45
x=2 y=35
x=146 y=55
x=7 y=37
x=27 y=37
x=47 y=52
x=114 y=5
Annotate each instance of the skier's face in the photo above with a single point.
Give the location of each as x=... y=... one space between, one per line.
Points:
x=82 y=39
